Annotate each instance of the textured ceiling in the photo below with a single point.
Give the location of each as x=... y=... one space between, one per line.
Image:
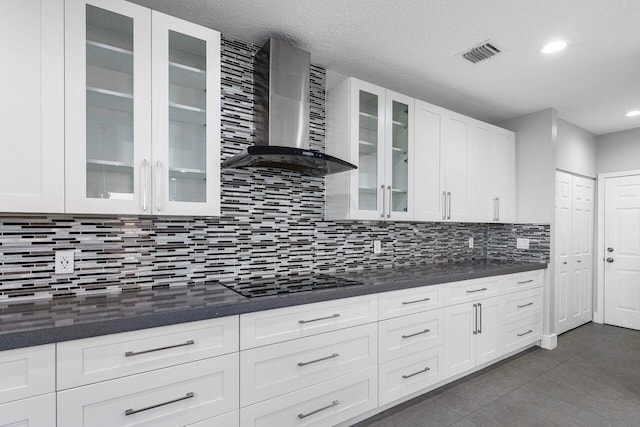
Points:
x=410 y=46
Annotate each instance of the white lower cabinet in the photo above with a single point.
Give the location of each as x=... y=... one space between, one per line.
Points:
x=524 y=332
x=230 y=419
x=179 y=395
x=406 y=335
x=269 y=371
x=27 y=372
x=37 y=411
x=325 y=404
x=473 y=334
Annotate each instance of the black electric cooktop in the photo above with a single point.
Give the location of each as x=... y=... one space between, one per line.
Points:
x=262 y=287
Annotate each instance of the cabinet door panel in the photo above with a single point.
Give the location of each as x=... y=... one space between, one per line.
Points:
x=37 y=411
x=489 y=337
x=32 y=107
x=186 y=117
x=429 y=185
x=107 y=107
x=460 y=321
x=26 y=372
x=399 y=156
x=503 y=175
x=456 y=169
x=479 y=174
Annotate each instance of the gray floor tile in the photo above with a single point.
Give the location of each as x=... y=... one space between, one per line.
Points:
x=424 y=414
x=463 y=422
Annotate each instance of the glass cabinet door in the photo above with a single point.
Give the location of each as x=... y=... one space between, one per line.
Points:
x=398 y=155
x=370 y=134
x=186 y=117
x=107 y=47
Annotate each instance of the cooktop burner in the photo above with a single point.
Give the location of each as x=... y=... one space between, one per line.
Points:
x=253 y=288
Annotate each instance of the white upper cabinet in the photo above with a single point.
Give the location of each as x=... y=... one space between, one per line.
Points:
x=372 y=128
x=112 y=165
x=503 y=175
x=186 y=117
x=32 y=107
x=479 y=166
x=455 y=159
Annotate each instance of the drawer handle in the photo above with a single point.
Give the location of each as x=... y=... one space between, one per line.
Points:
x=135 y=411
x=417 y=333
x=418 y=300
x=318 y=360
x=476 y=290
x=319 y=318
x=334 y=403
x=416 y=373
x=135 y=353
x=525 y=333
x=526 y=281
x=526 y=305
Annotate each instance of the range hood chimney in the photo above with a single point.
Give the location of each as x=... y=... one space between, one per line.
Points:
x=281 y=104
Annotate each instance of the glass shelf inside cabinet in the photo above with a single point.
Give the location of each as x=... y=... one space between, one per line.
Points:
x=399 y=161
x=109 y=104
x=187 y=118
x=368 y=151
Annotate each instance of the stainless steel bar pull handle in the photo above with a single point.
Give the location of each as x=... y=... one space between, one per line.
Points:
x=333 y=316
x=334 y=355
x=156 y=185
x=475 y=319
x=495 y=208
x=384 y=201
x=525 y=333
x=480 y=323
x=135 y=411
x=334 y=403
x=476 y=290
x=426 y=331
x=136 y=353
x=449 y=205
x=525 y=305
x=390 y=200
x=444 y=205
x=416 y=373
x=145 y=172
x=415 y=301
x=525 y=281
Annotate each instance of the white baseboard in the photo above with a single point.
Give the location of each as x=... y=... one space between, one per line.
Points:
x=549 y=342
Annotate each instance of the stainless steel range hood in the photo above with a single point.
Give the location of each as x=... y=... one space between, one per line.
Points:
x=281 y=104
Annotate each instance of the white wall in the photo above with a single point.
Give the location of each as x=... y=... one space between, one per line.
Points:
x=576 y=150
x=535 y=165
x=619 y=151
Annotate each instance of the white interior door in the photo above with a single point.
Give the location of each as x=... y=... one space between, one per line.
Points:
x=622 y=252
x=563 y=278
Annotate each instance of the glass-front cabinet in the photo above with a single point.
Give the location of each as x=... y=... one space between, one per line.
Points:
x=399 y=155
x=138 y=102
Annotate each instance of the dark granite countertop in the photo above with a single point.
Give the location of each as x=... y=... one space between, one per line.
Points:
x=24 y=324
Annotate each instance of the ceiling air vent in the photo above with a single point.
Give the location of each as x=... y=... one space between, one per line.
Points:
x=479 y=53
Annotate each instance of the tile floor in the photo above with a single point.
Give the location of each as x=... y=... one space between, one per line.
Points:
x=591 y=379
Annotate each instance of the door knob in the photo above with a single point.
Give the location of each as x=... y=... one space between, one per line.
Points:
x=609 y=259
x=609 y=249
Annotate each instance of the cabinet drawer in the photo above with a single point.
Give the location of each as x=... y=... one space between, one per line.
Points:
x=522 y=281
x=230 y=419
x=412 y=373
x=27 y=372
x=410 y=334
x=107 y=357
x=522 y=333
x=281 y=368
x=272 y=326
x=521 y=305
x=409 y=301
x=472 y=290
x=179 y=395
x=37 y=411
x=325 y=404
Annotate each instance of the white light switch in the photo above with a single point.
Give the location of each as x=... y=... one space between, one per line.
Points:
x=377 y=247
x=470 y=242
x=522 y=243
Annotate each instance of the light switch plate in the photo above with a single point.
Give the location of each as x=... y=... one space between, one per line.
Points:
x=522 y=243
x=377 y=247
x=471 y=242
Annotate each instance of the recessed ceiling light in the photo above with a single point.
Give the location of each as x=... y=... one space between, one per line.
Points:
x=555 y=46
x=633 y=113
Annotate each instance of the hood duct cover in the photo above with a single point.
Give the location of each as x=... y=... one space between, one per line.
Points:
x=281 y=103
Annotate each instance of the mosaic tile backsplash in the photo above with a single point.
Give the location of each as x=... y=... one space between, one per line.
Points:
x=272 y=223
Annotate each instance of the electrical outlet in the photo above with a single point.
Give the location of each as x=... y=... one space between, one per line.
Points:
x=64 y=262
x=470 y=242
x=522 y=243
x=377 y=247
